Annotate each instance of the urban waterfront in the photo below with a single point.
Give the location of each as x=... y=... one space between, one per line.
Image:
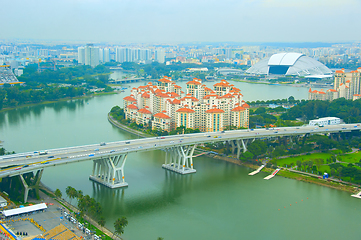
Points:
x=220 y=201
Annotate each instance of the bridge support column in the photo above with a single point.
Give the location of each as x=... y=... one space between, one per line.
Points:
x=243 y=147
x=233 y=145
x=109 y=171
x=34 y=184
x=180 y=159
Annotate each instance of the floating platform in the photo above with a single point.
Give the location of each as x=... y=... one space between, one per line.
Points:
x=107 y=184
x=273 y=174
x=181 y=170
x=358 y=195
x=256 y=171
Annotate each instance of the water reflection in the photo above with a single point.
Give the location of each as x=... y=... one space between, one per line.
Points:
x=23 y=114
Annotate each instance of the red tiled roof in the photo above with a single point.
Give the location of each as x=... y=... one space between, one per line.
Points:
x=132 y=106
x=163 y=95
x=145 y=95
x=245 y=105
x=161 y=115
x=238 y=109
x=173 y=94
x=331 y=90
x=194 y=82
x=144 y=111
x=130 y=99
x=186 y=110
x=176 y=101
x=164 y=80
x=215 y=110
x=227 y=96
x=176 y=86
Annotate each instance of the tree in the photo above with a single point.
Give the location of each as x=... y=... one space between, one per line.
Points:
x=58 y=193
x=101 y=221
x=2 y=151
x=119 y=225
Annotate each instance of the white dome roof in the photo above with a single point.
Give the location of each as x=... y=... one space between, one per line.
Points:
x=289 y=64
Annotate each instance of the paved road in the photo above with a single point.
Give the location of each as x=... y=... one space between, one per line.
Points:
x=26 y=162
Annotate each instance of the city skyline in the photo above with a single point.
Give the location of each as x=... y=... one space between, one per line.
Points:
x=182 y=21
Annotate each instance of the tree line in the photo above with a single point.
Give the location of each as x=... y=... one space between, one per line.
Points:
x=347 y=110
x=17 y=95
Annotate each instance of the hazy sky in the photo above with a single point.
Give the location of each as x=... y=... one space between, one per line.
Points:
x=174 y=21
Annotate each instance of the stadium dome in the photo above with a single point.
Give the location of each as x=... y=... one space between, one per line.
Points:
x=295 y=64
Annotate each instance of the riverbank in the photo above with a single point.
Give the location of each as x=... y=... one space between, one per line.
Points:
x=126 y=128
x=300 y=176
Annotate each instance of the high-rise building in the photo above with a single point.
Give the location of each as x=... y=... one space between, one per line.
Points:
x=132 y=54
x=81 y=55
x=104 y=55
x=88 y=55
x=159 y=55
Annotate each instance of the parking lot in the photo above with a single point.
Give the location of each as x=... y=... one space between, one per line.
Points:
x=48 y=219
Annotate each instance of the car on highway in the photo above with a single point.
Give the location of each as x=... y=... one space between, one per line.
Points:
x=171 y=142
x=102 y=144
x=51 y=157
x=18 y=168
x=44 y=162
x=140 y=147
x=162 y=137
x=222 y=131
x=215 y=136
x=91 y=155
x=127 y=142
x=26 y=165
x=111 y=151
x=97 y=149
x=276 y=132
x=343 y=128
x=125 y=149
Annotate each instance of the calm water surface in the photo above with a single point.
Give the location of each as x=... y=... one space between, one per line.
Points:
x=220 y=201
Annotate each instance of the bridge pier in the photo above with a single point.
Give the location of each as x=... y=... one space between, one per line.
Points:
x=34 y=184
x=109 y=171
x=240 y=144
x=180 y=159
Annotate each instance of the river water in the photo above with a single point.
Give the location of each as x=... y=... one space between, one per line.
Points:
x=220 y=201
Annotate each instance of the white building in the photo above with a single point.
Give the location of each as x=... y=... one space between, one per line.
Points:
x=88 y=55
x=159 y=55
x=325 y=121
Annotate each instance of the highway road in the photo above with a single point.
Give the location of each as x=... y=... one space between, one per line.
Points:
x=15 y=164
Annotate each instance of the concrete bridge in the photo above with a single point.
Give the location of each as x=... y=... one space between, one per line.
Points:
x=109 y=158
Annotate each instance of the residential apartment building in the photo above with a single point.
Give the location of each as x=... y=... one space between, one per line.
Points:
x=346 y=85
x=165 y=106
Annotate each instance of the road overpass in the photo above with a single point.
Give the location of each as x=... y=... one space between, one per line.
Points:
x=109 y=158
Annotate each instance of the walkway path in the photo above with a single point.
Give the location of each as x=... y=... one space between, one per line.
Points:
x=126 y=128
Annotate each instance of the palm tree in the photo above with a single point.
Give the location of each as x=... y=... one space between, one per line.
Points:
x=119 y=225
x=101 y=221
x=67 y=191
x=58 y=193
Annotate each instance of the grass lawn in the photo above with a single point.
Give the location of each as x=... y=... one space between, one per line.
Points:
x=350 y=158
x=324 y=168
x=287 y=161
